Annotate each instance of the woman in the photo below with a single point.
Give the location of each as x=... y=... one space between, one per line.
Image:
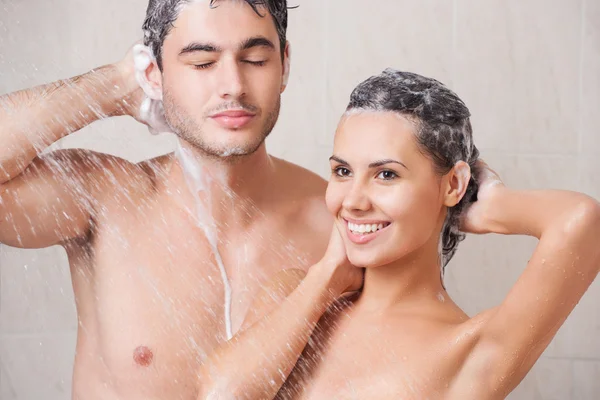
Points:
x=401 y=186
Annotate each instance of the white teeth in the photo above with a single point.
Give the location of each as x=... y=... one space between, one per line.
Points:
x=364 y=228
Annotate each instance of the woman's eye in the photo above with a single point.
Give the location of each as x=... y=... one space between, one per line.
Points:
x=387 y=175
x=341 y=171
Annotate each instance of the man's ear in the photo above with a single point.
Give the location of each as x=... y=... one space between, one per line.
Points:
x=287 y=62
x=147 y=73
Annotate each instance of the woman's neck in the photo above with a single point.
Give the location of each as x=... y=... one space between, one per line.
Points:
x=411 y=279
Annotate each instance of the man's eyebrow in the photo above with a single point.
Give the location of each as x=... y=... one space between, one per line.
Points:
x=196 y=46
x=256 y=41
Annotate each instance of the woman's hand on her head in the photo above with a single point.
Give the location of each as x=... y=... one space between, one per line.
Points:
x=476 y=219
x=344 y=276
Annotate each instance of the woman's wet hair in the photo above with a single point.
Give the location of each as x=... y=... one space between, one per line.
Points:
x=443 y=131
x=162 y=14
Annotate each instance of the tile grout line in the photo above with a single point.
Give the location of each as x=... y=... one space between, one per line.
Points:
x=325 y=19
x=572 y=374
x=454 y=41
x=14 y=335
x=581 y=69
x=572 y=359
x=580 y=95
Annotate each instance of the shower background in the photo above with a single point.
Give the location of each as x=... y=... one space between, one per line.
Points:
x=528 y=70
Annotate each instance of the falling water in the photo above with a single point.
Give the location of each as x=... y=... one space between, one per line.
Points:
x=197 y=183
x=152 y=112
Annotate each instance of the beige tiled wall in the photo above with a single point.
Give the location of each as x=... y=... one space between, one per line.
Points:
x=528 y=69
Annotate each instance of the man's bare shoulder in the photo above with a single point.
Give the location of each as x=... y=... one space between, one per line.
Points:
x=110 y=177
x=304 y=182
x=140 y=181
x=156 y=168
x=100 y=168
x=304 y=189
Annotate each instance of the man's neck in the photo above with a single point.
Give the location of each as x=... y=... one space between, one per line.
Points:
x=237 y=188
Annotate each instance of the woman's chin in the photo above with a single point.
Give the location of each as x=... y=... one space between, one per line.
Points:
x=365 y=260
x=374 y=258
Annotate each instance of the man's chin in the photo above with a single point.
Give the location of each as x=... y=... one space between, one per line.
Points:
x=236 y=146
x=232 y=150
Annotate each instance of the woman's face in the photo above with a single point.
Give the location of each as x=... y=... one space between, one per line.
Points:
x=385 y=195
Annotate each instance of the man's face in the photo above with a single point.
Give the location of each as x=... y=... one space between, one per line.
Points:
x=222 y=77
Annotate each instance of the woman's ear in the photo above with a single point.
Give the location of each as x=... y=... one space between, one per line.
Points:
x=456 y=183
x=147 y=73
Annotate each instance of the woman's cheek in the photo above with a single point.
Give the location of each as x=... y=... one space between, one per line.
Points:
x=334 y=198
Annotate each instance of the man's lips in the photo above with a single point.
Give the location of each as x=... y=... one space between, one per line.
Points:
x=233 y=119
x=233 y=114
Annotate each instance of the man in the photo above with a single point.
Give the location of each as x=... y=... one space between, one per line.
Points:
x=150 y=295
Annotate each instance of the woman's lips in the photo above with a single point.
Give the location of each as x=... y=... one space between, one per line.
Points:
x=365 y=237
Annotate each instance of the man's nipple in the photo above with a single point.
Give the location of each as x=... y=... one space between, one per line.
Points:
x=143 y=356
